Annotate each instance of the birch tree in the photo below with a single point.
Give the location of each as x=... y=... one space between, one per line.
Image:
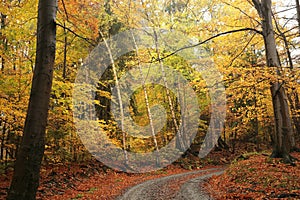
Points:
x=124 y=135
x=147 y=102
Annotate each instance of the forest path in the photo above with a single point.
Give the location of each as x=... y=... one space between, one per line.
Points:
x=179 y=187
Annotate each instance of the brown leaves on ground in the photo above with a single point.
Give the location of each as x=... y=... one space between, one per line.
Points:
x=86 y=181
x=109 y=185
x=258 y=177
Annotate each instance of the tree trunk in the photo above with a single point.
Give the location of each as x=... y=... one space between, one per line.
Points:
x=298 y=13
x=263 y=8
x=294 y=105
x=296 y=117
x=153 y=133
x=3 y=38
x=26 y=172
x=283 y=126
x=283 y=140
x=65 y=52
x=180 y=143
x=124 y=135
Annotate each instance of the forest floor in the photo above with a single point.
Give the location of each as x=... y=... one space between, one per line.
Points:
x=251 y=176
x=93 y=180
x=257 y=176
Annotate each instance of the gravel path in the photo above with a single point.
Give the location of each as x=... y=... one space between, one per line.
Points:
x=186 y=184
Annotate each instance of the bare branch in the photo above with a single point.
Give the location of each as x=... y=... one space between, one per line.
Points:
x=281 y=11
x=283 y=36
x=64 y=6
x=244 y=48
x=79 y=36
x=239 y=9
x=211 y=38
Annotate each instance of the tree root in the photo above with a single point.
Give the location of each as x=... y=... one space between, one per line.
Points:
x=286 y=158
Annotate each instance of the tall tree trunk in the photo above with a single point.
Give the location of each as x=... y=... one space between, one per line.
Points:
x=295 y=107
x=298 y=13
x=292 y=96
x=180 y=143
x=3 y=38
x=26 y=172
x=263 y=8
x=124 y=135
x=65 y=52
x=2 y=148
x=283 y=126
x=147 y=103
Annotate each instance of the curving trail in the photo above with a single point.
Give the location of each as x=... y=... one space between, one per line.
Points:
x=185 y=186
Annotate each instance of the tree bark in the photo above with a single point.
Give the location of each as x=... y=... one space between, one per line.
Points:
x=263 y=8
x=3 y=38
x=180 y=143
x=298 y=13
x=65 y=52
x=26 y=172
x=284 y=140
x=283 y=126
x=147 y=103
x=124 y=135
x=296 y=117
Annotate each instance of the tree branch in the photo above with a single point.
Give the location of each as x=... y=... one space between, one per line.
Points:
x=243 y=12
x=211 y=38
x=66 y=13
x=244 y=48
x=257 y=5
x=73 y=32
x=282 y=35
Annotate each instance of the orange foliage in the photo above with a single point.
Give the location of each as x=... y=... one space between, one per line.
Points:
x=258 y=177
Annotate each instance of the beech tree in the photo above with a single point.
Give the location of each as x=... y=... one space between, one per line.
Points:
x=282 y=138
x=27 y=167
x=298 y=13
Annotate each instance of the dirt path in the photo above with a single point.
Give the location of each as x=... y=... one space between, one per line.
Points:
x=179 y=187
